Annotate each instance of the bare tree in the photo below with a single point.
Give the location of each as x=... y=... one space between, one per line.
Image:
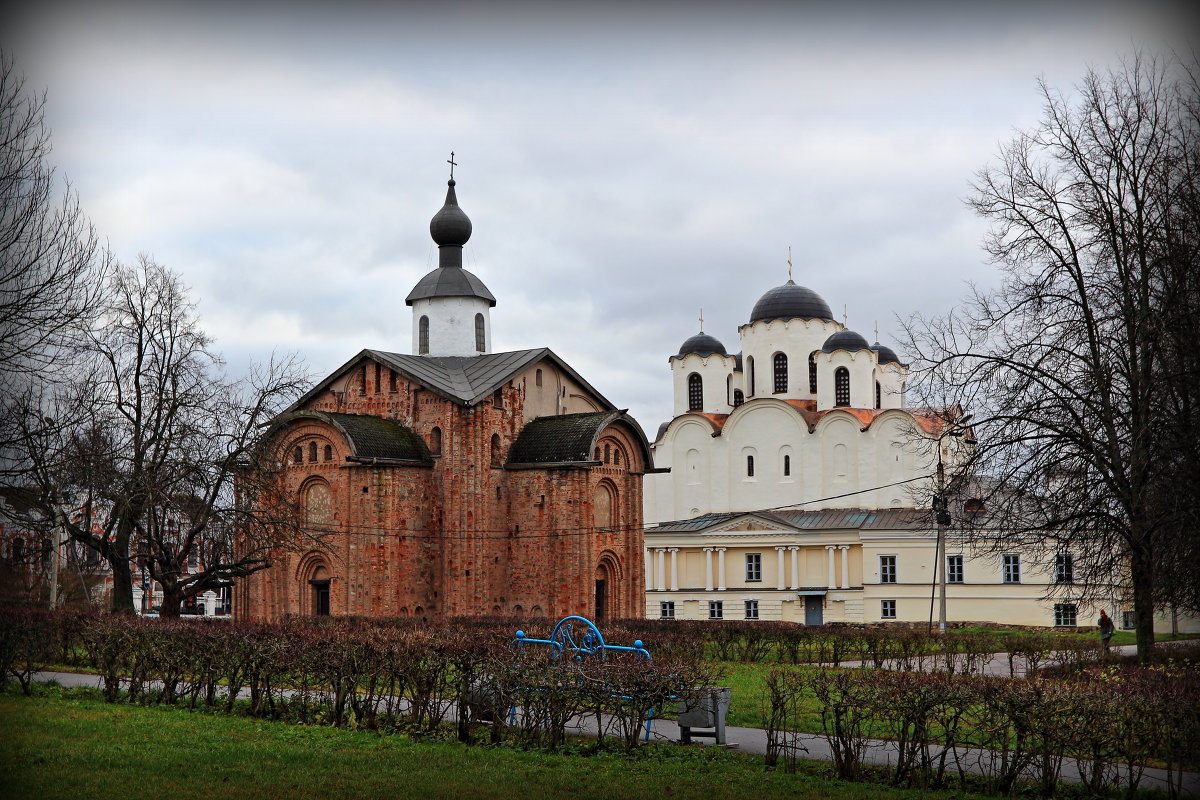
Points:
x=1066 y=367
x=154 y=440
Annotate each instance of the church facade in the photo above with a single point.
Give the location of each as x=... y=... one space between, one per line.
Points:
x=797 y=486
x=456 y=481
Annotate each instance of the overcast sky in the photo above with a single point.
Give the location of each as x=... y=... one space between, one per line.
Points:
x=623 y=168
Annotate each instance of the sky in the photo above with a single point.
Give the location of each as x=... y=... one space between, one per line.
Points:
x=624 y=166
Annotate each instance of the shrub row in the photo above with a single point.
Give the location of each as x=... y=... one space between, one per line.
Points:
x=943 y=727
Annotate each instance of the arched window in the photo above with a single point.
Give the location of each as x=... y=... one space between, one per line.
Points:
x=781 y=373
x=617 y=456
x=17 y=548
x=298 y=455
x=480 y=344
x=695 y=392
x=607 y=453
x=435 y=441
x=750 y=376
x=392 y=387
x=318 y=505
x=537 y=379
x=423 y=336
x=312 y=451
x=329 y=452
x=749 y=466
x=496 y=455
x=812 y=373
x=878 y=395
x=378 y=377
x=738 y=398
x=362 y=380
x=841 y=387
x=787 y=466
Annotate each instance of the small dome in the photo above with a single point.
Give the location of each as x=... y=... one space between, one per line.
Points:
x=886 y=354
x=790 y=301
x=702 y=345
x=845 y=340
x=450 y=225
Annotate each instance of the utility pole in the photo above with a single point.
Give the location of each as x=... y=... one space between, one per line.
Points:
x=943 y=519
x=59 y=524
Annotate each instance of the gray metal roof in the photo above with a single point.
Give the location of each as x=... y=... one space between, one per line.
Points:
x=369 y=438
x=790 y=301
x=566 y=438
x=827 y=519
x=449 y=281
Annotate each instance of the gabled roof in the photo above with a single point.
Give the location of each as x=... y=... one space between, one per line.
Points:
x=827 y=519
x=462 y=379
x=370 y=438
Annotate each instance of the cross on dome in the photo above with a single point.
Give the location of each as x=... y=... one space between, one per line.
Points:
x=452 y=164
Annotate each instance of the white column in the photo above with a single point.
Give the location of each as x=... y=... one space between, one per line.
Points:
x=721 y=568
x=832 y=582
x=708 y=582
x=795 y=567
x=845 y=565
x=649 y=568
x=779 y=551
x=662 y=563
x=674 y=551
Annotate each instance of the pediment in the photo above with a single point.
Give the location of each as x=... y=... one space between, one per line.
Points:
x=751 y=523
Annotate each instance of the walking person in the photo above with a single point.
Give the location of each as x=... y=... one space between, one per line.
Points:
x=1106 y=628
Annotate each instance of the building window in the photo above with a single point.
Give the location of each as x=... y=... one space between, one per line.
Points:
x=954 y=569
x=887 y=569
x=787 y=466
x=781 y=373
x=1011 y=572
x=435 y=441
x=878 y=395
x=329 y=452
x=378 y=377
x=716 y=609
x=480 y=344
x=738 y=397
x=17 y=548
x=666 y=609
x=392 y=387
x=537 y=378
x=1128 y=620
x=887 y=609
x=423 y=336
x=496 y=454
x=753 y=566
x=751 y=609
x=841 y=387
x=812 y=373
x=1064 y=615
x=298 y=455
x=749 y=466
x=1064 y=568
x=974 y=506
x=312 y=451
x=695 y=392
x=750 y=375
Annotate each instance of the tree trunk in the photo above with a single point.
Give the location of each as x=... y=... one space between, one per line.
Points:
x=171 y=603
x=118 y=561
x=1141 y=576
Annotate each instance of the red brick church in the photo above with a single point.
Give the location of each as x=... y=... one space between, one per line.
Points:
x=457 y=481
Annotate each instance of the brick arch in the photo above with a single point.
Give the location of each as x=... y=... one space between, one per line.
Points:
x=610 y=561
x=606 y=504
x=314 y=578
x=317 y=500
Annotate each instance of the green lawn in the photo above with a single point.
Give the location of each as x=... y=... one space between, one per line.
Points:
x=68 y=744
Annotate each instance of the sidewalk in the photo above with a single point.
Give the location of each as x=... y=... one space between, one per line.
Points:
x=754 y=740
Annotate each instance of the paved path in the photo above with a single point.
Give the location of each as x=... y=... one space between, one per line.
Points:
x=754 y=740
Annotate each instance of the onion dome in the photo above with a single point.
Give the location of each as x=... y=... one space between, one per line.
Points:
x=790 y=301
x=886 y=354
x=845 y=340
x=450 y=226
x=701 y=345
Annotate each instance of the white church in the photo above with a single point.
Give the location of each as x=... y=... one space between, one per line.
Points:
x=793 y=483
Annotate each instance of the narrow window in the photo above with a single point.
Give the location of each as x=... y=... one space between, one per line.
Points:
x=362 y=380
x=378 y=377
x=480 y=345
x=1064 y=568
x=750 y=375
x=298 y=455
x=497 y=399
x=841 y=387
x=781 y=373
x=617 y=456
x=695 y=392
x=666 y=609
x=17 y=548
x=495 y=450
x=537 y=378
x=878 y=395
x=954 y=569
x=423 y=336
x=751 y=609
x=738 y=398
x=1011 y=572
x=753 y=567
x=607 y=453
x=435 y=441
x=1064 y=615
x=787 y=466
x=716 y=609
x=887 y=569
x=392 y=387
x=329 y=452
x=312 y=451
x=812 y=373
x=887 y=609
x=749 y=466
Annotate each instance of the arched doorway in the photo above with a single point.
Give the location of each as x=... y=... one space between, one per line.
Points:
x=602 y=587
x=319 y=583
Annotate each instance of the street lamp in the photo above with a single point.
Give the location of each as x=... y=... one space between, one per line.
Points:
x=941 y=509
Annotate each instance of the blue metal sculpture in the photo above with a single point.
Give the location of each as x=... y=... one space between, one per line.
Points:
x=588 y=641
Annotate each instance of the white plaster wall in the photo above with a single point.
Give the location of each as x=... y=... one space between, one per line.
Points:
x=451 y=325
x=892 y=378
x=714 y=371
x=796 y=338
x=860 y=363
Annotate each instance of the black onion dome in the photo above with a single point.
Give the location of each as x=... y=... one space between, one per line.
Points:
x=450 y=225
x=790 y=301
x=886 y=354
x=845 y=340
x=702 y=345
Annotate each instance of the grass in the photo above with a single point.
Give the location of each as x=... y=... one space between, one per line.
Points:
x=69 y=744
